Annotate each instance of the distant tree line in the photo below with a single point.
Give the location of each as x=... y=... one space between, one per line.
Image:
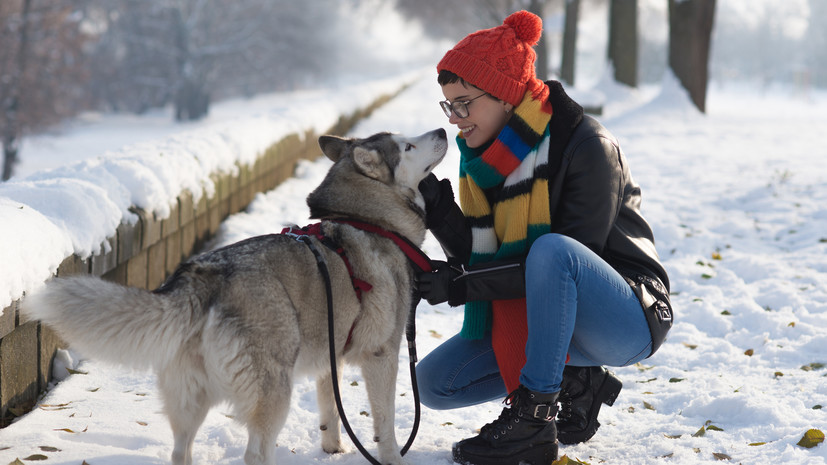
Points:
x=59 y=57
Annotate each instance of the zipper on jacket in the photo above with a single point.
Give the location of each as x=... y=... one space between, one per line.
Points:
x=464 y=272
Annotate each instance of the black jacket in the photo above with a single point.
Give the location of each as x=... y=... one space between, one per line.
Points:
x=592 y=198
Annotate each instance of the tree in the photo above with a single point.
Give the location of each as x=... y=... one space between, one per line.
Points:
x=11 y=95
x=690 y=33
x=567 y=67
x=538 y=7
x=623 y=41
x=41 y=66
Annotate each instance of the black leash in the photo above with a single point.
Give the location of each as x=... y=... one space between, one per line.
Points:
x=410 y=335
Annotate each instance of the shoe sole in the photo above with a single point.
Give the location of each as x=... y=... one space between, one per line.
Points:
x=540 y=455
x=607 y=394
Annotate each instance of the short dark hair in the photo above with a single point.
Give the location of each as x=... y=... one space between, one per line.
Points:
x=447 y=77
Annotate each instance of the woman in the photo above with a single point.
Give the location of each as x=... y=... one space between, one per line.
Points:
x=555 y=264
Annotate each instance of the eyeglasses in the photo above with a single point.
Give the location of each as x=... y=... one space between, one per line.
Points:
x=458 y=108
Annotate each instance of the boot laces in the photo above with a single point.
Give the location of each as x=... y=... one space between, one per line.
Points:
x=502 y=424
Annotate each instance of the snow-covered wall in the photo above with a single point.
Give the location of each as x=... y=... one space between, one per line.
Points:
x=132 y=216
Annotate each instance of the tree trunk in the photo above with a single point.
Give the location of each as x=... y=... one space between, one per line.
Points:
x=570 y=41
x=690 y=35
x=11 y=105
x=623 y=41
x=537 y=7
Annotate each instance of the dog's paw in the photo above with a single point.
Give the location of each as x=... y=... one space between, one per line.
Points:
x=334 y=446
x=394 y=460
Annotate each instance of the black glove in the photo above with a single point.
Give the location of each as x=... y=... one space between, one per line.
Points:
x=441 y=284
x=439 y=198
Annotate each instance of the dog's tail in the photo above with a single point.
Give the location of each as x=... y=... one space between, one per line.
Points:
x=106 y=321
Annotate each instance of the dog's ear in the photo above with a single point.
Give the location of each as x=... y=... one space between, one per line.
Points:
x=369 y=162
x=334 y=147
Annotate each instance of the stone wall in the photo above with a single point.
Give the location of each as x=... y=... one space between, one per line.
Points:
x=144 y=254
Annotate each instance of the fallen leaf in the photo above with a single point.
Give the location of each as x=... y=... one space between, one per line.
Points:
x=676 y=380
x=49 y=449
x=749 y=352
x=756 y=443
x=648 y=406
x=713 y=428
x=16 y=462
x=435 y=334
x=690 y=346
x=36 y=458
x=720 y=456
x=700 y=433
x=811 y=438
x=566 y=460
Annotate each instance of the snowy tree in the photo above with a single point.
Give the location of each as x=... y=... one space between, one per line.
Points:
x=41 y=66
x=690 y=32
x=623 y=40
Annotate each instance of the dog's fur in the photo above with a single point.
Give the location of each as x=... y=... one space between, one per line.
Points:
x=239 y=323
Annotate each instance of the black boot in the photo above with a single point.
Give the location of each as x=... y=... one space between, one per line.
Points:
x=582 y=391
x=524 y=433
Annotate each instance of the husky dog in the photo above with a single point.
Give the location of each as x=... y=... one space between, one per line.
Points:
x=239 y=323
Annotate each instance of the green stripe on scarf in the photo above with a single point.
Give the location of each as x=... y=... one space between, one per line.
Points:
x=518 y=155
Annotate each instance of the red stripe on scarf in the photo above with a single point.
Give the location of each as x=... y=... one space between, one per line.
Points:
x=500 y=157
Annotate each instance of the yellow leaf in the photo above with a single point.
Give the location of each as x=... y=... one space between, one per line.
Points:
x=700 y=433
x=565 y=460
x=690 y=346
x=648 y=406
x=435 y=334
x=749 y=352
x=811 y=438
x=16 y=462
x=716 y=256
x=756 y=443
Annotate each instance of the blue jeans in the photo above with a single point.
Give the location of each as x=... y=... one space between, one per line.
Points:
x=577 y=305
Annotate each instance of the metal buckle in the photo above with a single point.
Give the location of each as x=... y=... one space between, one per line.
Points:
x=550 y=412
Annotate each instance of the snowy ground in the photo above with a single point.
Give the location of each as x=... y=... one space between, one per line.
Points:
x=738 y=202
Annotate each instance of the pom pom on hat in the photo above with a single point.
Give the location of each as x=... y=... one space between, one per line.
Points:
x=527 y=26
x=500 y=60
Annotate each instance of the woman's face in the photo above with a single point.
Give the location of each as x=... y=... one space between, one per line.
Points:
x=487 y=116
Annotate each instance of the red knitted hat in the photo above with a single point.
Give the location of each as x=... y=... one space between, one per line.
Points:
x=500 y=60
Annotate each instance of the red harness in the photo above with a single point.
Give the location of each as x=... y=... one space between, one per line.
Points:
x=416 y=257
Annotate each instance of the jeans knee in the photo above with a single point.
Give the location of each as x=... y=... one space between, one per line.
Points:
x=430 y=395
x=547 y=249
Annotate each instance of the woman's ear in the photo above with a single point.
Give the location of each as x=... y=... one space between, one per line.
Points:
x=507 y=107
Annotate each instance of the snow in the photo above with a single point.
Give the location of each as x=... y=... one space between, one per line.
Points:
x=105 y=166
x=737 y=199
x=738 y=202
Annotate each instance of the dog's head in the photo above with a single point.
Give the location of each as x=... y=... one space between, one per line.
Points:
x=390 y=158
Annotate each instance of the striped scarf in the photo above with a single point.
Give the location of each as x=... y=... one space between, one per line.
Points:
x=517 y=160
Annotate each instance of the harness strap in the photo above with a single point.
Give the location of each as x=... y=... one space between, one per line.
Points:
x=415 y=255
x=316 y=230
